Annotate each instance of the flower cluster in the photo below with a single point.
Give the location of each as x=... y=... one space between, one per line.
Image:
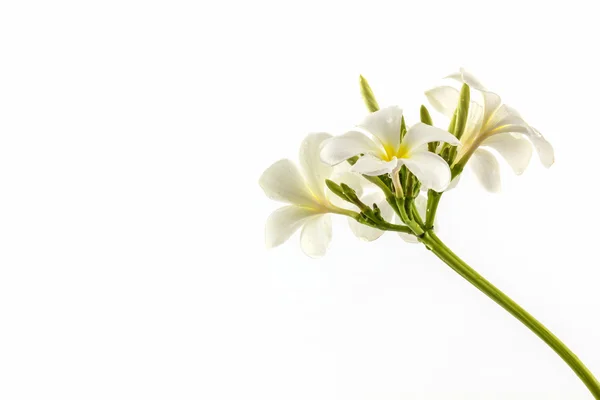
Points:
x=378 y=173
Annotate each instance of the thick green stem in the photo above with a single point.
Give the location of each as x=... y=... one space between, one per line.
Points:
x=453 y=261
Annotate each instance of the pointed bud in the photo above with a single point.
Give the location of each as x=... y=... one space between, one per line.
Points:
x=353 y=198
x=336 y=189
x=367 y=95
x=402 y=128
x=462 y=111
x=425 y=116
x=349 y=192
x=426 y=119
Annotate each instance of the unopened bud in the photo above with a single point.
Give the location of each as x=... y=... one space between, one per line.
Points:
x=425 y=116
x=462 y=111
x=367 y=95
x=336 y=189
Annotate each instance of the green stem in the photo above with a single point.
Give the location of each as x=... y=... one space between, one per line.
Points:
x=453 y=261
x=433 y=200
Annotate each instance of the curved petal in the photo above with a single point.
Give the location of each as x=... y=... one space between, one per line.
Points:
x=316 y=236
x=420 y=134
x=474 y=123
x=505 y=119
x=491 y=102
x=340 y=148
x=283 y=222
x=315 y=171
x=468 y=78
x=282 y=182
x=430 y=169
x=486 y=169
x=365 y=232
x=542 y=147
x=385 y=125
x=343 y=173
x=444 y=99
x=513 y=147
x=373 y=166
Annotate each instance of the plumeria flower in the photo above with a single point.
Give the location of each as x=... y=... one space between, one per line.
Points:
x=309 y=203
x=491 y=125
x=383 y=152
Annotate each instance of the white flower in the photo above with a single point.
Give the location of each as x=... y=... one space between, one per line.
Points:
x=306 y=194
x=493 y=125
x=384 y=153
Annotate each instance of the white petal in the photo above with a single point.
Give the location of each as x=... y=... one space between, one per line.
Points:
x=420 y=134
x=283 y=222
x=315 y=171
x=542 y=146
x=373 y=166
x=282 y=182
x=340 y=148
x=430 y=169
x=365 y=232
x=343 y=173
x=486 y=169
x=385 y=125
x=474 y=123
x=513 y=147
x=506 y=119
x=468 y=78
x=491 y=102
x=444 y=99
x=316 y=236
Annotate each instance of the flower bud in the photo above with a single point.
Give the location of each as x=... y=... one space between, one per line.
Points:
x=367 y=95
x=425 y=116
x=462 y=111
x=336 y=189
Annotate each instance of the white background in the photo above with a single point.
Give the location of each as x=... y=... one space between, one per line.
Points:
x=132 y=262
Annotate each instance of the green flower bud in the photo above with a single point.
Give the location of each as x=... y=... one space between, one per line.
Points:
x=425 y=116
x=462 y=111
x=402 y=128
x=426 y=119
x=349 y=193
x=336 y=189
x=367 y=95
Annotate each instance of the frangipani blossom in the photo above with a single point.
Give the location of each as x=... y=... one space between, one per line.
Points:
x=307 y=196
x=383 y=147
x=383 y=152
x=491 y=125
